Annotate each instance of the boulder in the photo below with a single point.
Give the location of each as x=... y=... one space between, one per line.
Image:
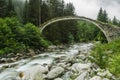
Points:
x=79 y=67
x=58 y=79
x=34 y=72
x=105 y=74
x=3 y=60
x=55 y=72
x=82 y=76
x=105 y=79
x=31 y=52
x=70 y=58
x=38 y=76
x=96 y=78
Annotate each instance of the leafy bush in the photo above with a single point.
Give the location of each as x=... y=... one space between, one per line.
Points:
x=114 y=64
x=101 y=57
x=15 y=37
x=108 y=56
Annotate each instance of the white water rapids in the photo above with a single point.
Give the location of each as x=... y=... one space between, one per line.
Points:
x=29 y=66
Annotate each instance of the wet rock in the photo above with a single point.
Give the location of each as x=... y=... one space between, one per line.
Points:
x=82 y=56
x=38 y=76
x=13 y=59
x=10 y=55
x=51 y=48
x=44 y=76
x=58 y=79
x=70 y=59
x=3 y=60
x=105 y=79
x=31 y=52
x=55 y=72
x=79 y=67
x=96 y=78
x=9 y=74
x=19 y=54
x=62 y=65
x=34 y=72
x=105 y=74
x=82 y=76
x=68 y=75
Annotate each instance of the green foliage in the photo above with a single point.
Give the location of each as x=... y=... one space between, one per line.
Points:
x=114 y=64
x=102 y=16
x=33 y=37
x=58 y=32
x=116 y=22
x=34 y=12
x=3 y=8
x=100 y=56
x=15 y=37
x=70 y=38
x=108 y=56
x=6 y=8
x=88 y=32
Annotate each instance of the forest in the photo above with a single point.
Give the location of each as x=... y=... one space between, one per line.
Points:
x=20 y=22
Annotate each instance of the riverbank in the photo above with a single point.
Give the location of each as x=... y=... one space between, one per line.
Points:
x=13 y=57
x=71 y=63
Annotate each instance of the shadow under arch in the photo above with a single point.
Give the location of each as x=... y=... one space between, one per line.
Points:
x=100 y=25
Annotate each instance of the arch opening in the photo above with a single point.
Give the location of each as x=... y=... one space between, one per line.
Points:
x=64 y=19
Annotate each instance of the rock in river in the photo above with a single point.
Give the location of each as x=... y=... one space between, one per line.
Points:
x=55 y=72
x=96 y=78
x=80 y=67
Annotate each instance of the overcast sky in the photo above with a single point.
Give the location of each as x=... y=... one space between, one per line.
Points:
x=90 y=8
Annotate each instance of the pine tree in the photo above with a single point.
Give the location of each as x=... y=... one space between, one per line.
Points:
x=44 y=12
x=102 y=16
x=105 y=16
x=25 y=12
x=60 y=9
x=34 y=12
x=3 y=8
x=115 y=21
x=10 y=9
x=69 y=9
x=53 y=8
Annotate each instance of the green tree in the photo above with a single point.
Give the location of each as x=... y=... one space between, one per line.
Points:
x=105 y=16
x=69 y=9
x=10 y=8
x=102 y=16
x=3 y=8
x=115 y=21
x=16 y=37
x=34 y=12
x=60 y=9
x=53 y=8
x=44 y=12
x=26 y=12
x=60 y=31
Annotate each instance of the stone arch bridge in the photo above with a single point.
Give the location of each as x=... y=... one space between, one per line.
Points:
x=111 y=32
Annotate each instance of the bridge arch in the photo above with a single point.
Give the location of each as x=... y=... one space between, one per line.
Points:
x=107 y=30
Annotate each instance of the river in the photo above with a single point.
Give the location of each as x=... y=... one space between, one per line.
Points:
x=49 y=60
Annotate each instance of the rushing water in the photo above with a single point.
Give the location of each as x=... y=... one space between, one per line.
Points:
x=30 y=65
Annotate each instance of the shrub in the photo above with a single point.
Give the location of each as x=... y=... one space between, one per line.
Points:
x=15 y=37
x=100 y=56
x=108 y=56
x=114 y=64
